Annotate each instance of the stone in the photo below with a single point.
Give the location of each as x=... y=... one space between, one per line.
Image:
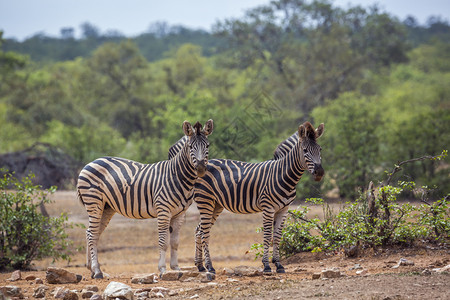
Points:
x=232 y=280
x=96 y=297
x=86 y=294
x=11 y=291
x=361 y=272
x=145 y=278
x=38 y=281
x=299 y=269
x=247 y=271
x=15 y=276
x=207 y=277
x=316 y=275
x=444 y=269
x=70 y=295
x=405 y=262
x=60 y=292
x=118 y=290
x=227 y=272
x=40 y=291
x=171 y=275
x=160 y=289
x=189 y=268
x=91 y=288
x=141 y=295
x=426 y=272
x=30 y=277
x=331 y=273
x=61 y=276
x=189 y=274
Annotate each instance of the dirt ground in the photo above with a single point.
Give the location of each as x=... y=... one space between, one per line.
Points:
x=130 y=247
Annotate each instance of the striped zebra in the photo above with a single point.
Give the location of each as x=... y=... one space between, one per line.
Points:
x=163 y=190
x=267 y=187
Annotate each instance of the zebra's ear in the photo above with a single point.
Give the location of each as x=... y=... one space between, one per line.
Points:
x=188 y=129
x=301 y=132
x=320 y=130
x=208 y=128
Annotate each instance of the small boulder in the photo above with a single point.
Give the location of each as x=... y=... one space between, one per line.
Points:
x=145 y=279
x=247 y=271
x=206 y=277
x=38 y=281
x=316 y=276
x=331 y=273
x=227 y=272
x=40 y=291
x=11 y=291
x=118 y=290
x=96 y=297
x=171 y=275
x=15 y=276
x=61 y=276
x=189 y=274
x=30 y=277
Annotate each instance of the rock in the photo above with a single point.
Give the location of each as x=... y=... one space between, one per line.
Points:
x=40 y=291
x=96 y=297
x=38 y=281
x=206 y=277
x=189 y=268
x=316 y=275
x=247 y=271
x=361 y=272
x=60 y=292
x=16 y=275
x=70 y=295
x=30 y=277
x=189 y=274
x=92 y=288
x=61 y=276
x=145 y=278
x=426 y=272
x=299 y=269
x=11 y=291
x=160 y=289
x=331 y=273
x=194 y=296
x=227 y=272
x=141 y=295
x=444 y=269
x=86 y=294
x=171 y=275
x=118 y=290
x=356 y=267
x=232 y=280
x=405 y=262
x=173 y=293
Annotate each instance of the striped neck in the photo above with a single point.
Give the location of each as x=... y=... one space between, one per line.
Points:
x=182 y=166
x=290 y=165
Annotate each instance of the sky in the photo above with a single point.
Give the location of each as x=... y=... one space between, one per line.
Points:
x=24 y=18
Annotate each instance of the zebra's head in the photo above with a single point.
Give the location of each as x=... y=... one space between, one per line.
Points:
x=198 y=144
x=310 y=150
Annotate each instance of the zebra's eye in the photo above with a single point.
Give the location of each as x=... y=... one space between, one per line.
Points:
x=305 y=150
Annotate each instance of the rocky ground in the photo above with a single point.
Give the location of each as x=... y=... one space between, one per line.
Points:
x=128 y=252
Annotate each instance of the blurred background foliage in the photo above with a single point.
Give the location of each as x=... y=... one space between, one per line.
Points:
x=380 y=85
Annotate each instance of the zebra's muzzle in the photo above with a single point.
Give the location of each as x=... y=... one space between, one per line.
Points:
x=318 y=172
x=201 y=169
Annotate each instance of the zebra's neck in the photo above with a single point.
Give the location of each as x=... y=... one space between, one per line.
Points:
x=290 y=166
x=182 y=167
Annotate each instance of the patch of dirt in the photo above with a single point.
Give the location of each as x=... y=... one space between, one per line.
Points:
x=129 y=247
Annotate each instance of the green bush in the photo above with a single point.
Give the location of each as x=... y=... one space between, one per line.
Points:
x=26 y=234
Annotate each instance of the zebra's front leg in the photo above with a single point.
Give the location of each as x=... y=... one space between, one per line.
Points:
x=280 y=217
x=175 y=225
x=163 y=232
x=267 y=232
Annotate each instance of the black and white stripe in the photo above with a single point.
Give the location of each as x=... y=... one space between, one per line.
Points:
x=268 y=187
x=161 y=190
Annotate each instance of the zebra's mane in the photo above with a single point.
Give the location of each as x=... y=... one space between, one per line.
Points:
x=175 y=148
x=285 y=146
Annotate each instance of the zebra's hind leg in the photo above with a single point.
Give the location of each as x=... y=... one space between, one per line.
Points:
x=206 y=234
x=175 y=225
x=198 y=249
x=98 y=220
x=280 y=217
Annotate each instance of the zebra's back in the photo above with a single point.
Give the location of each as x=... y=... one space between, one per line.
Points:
x=123 y=184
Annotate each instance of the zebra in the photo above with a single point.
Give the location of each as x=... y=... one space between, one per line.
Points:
x=267 y=187
x=162 y=190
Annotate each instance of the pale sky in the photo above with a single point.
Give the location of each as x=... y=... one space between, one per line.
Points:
x=24 y=18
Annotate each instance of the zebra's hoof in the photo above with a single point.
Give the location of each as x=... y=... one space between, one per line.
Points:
x=97 y=276
x=212 y=270
x=267 y=269
x=280 y=268
x=201 y=268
